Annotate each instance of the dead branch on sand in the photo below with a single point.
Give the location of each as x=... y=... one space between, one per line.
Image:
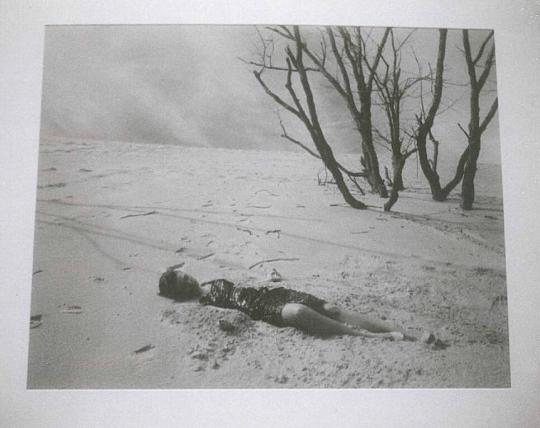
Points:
x=139 y=215
x=284 y=259
x=206 y=256
x=243 y=229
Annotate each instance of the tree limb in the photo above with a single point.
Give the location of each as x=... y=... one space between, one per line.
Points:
x=468 y=58
x=410 y=152
x=489 y=116
x=377 y=58
x=438 y=78
x=481 y=50
x=463 y=130
x=290 y=88
x=487 y=68
x=316 y=155
x=344 y=74
x=274 y=67
x=282 y=33
x=276 y=97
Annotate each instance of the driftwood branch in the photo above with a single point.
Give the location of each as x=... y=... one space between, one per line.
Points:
x=139 y=215
x=283 y=259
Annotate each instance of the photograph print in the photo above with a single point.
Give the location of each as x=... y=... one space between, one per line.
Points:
x=268 y=206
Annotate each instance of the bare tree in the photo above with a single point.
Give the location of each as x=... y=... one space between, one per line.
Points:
x=476 y=125
x=356 y=60
x=392 y=90
x=308 y=114
x=353 y=82
x=423 y=131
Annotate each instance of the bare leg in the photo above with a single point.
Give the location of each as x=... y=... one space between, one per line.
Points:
x=362 y=321
x=312 y=322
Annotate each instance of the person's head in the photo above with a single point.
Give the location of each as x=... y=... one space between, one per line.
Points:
x=178 y=285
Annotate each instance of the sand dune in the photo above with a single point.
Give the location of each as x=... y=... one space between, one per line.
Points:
x=111 y=217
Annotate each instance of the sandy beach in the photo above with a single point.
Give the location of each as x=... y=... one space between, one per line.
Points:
x=110 y=217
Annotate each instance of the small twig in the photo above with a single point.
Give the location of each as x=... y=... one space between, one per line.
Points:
x=144 y=349
x=176 y=266
x=465 y=132
x=273 y=67
x=139 y=215
x=243 y=229
x=278 y=231
x=206 y=256
x=291 y=259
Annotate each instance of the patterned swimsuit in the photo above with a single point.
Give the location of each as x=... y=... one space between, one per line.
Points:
x=262 y=303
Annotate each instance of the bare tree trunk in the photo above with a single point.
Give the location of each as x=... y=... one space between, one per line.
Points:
x=476 y=127
x=435 y=160
x=364 y=88
x=330 y=162
x=460 y=169
x=365 y=128
x=361 y=114
x=467 y=187
x=309 y=117
x=387 y=176
x=398 y=165
x=431 y=175
x=425 y=124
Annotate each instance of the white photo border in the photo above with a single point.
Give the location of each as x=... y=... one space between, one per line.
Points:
x=517 y=34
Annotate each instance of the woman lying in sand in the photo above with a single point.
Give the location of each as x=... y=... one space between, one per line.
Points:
x=278 y=306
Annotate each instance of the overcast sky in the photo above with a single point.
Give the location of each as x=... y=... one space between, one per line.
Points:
x=186 y=85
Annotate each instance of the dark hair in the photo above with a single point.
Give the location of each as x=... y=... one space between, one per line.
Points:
x=178 y=285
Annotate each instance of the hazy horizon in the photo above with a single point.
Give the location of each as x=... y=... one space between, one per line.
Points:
x=179 y=84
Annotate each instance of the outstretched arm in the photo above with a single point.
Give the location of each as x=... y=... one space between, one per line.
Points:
x=306 y=319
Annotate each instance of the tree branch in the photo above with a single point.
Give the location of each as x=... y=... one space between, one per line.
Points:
x=487 y=68
x=283 y=33
x=274 y=67
x=489 y=116
x=438 y=78
x=298 y=143
x=410 y=152
x=276 y=97
x=290 y=88
x=468 y=58
x=463 y=130
x=344 y=74
x=481 y=50
x=351 y=174
x=377 y=58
